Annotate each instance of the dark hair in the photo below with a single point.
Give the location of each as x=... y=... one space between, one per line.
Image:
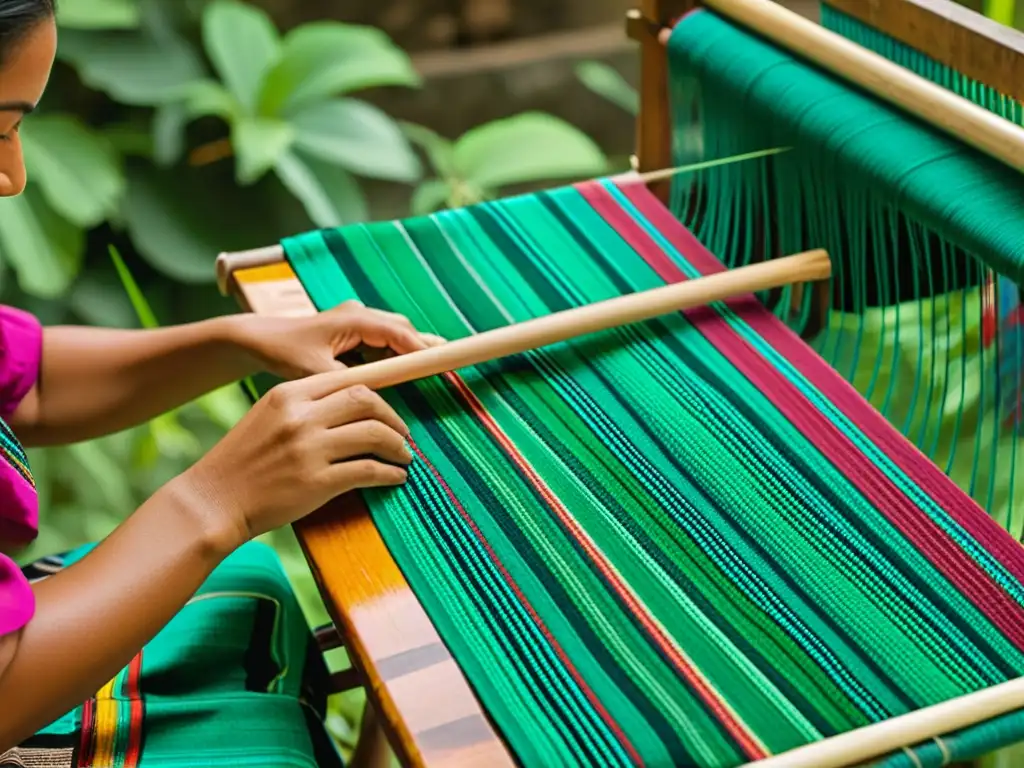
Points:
x=19 y=17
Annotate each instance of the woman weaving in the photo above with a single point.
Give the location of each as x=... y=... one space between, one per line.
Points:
x=226 y=681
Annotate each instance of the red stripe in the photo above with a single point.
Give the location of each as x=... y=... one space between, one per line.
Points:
x=736 y=729
x=86 y=745
x=594 y=701
x=134 y=693
x=945 y=554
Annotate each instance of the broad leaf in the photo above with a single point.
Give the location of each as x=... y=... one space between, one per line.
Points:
x=324 y=59
x=98 y=14
x=136 y=68
x=77 y=170
x=202 y=98
x=169 y=133
x=606 y=82
x=430 y=196
x=44 y=249
x=180 y=219
x=357 y=136
x=243 y=44
x=169 y=226
x=258 y=143
x=98 y=298
x=329 y=193
x=440 y=151
x=530 y=147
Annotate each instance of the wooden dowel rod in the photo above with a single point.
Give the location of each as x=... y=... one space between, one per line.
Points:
x=571 y=323
x=971 y=124
x=872 y=741
x=229 y=262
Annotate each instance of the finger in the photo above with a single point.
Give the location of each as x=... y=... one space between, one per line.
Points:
x=364 y=473
x=354 y=404
x=367 y=438
x=376 y=331
x=431 y=340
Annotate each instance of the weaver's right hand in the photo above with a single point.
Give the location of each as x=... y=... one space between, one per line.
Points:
x=302 y=444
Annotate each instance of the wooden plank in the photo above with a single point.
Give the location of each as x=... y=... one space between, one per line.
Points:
x=654 y=122
x=956 y=36
x=429 y=712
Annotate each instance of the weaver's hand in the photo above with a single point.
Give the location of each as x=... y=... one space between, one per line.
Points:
x=301 y=445
x=295 y=347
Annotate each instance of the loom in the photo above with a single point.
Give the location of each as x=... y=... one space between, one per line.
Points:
x=775 y=530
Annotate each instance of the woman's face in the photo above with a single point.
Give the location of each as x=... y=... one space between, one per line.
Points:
x=23 y=79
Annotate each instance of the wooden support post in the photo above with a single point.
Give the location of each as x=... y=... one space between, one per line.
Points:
x=654 y=123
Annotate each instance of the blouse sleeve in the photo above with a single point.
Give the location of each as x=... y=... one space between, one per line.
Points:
x=21 y=347
x=21 y=353
x=17 y=601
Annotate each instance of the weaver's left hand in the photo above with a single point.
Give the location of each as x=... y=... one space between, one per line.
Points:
x=295 y=347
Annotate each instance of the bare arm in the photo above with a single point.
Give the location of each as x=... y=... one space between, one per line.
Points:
x=303 y=444
x=137 y=579
x=96 y=381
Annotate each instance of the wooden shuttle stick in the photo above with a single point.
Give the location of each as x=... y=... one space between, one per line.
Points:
x=571 y=323
x=873 y=741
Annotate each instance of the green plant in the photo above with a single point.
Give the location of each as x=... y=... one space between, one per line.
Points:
x=608 y=83
x=525 y=149
x=150 y=85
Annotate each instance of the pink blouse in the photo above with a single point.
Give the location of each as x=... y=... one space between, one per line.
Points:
x=21 y=346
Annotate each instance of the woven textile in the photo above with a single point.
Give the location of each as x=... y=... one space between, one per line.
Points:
x=235 y=679
x=926 y=243
x=686 y=542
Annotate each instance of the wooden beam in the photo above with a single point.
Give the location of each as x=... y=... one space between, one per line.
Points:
x=956 y=36
x=654 y=123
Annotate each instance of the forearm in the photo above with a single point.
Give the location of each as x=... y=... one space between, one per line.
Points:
x=96 y=381
x=93 y=617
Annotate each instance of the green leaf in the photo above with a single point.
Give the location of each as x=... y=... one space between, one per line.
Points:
x=331 y=196
x=44 y=249
x=143 y=312
x=326 y=58
x=357 y=136
x=243 y=44
x=430 y=196
x=606 y=82
x=258 y=143
x=78 y=170
x=98 y=299
x=136 y=68
x=169 y=227
x=201 y=98
x=98 y=14
x=169 y=133
x=440 y=152
x=179 y=219
x=530 y=147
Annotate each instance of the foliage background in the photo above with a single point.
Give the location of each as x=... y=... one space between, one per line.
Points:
x=176 y=129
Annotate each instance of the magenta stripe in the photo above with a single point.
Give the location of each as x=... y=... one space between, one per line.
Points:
x=915 y=525
x=918 y=467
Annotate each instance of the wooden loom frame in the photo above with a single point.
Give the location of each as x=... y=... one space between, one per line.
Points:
x=423 y=702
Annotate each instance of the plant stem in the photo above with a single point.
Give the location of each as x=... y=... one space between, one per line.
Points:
x=211 y=152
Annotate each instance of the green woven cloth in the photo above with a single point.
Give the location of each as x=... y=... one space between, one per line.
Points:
x=235 y=679
x=686 y=542
x=925 y=234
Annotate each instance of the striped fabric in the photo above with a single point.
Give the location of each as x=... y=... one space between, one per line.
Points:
x=687 y=542
x=235 y=679
x=13 y=454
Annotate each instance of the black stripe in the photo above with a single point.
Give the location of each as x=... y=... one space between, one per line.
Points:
x=258 y=662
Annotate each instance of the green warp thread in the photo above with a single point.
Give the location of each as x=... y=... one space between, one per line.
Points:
x=921 y=64
x=919 y=227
